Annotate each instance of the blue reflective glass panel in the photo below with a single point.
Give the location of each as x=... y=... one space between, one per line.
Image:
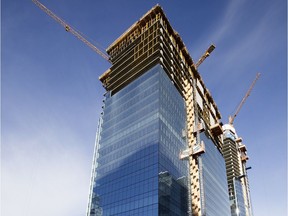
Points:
x=215 y=189
x=139 y=171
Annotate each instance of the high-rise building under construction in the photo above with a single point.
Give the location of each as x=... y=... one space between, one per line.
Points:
x=159 y=144
x=235 y=155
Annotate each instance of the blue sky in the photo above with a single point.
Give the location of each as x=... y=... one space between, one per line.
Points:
x=51 y=97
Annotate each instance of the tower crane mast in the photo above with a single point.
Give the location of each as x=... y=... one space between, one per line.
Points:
x=68 y=28
x=232 y=118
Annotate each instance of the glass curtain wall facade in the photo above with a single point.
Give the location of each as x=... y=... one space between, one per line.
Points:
x=213 y=180
x=139 y=172
x=238 y=206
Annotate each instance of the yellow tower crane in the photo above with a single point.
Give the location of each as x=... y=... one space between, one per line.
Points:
x=232 y=118
x=68 y=28
x=205 y=55
x=77 y=34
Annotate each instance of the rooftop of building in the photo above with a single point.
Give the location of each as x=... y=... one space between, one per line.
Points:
x=142 y=22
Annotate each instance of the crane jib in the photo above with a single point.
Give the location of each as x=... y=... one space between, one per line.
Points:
x=68 y=28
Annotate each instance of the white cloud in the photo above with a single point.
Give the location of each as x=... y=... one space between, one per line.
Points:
x=242 y=34
x=220 y=29
x=43 y=176
x=242 y=49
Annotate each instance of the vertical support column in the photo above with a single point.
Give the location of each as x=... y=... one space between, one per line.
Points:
x=193 y=166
